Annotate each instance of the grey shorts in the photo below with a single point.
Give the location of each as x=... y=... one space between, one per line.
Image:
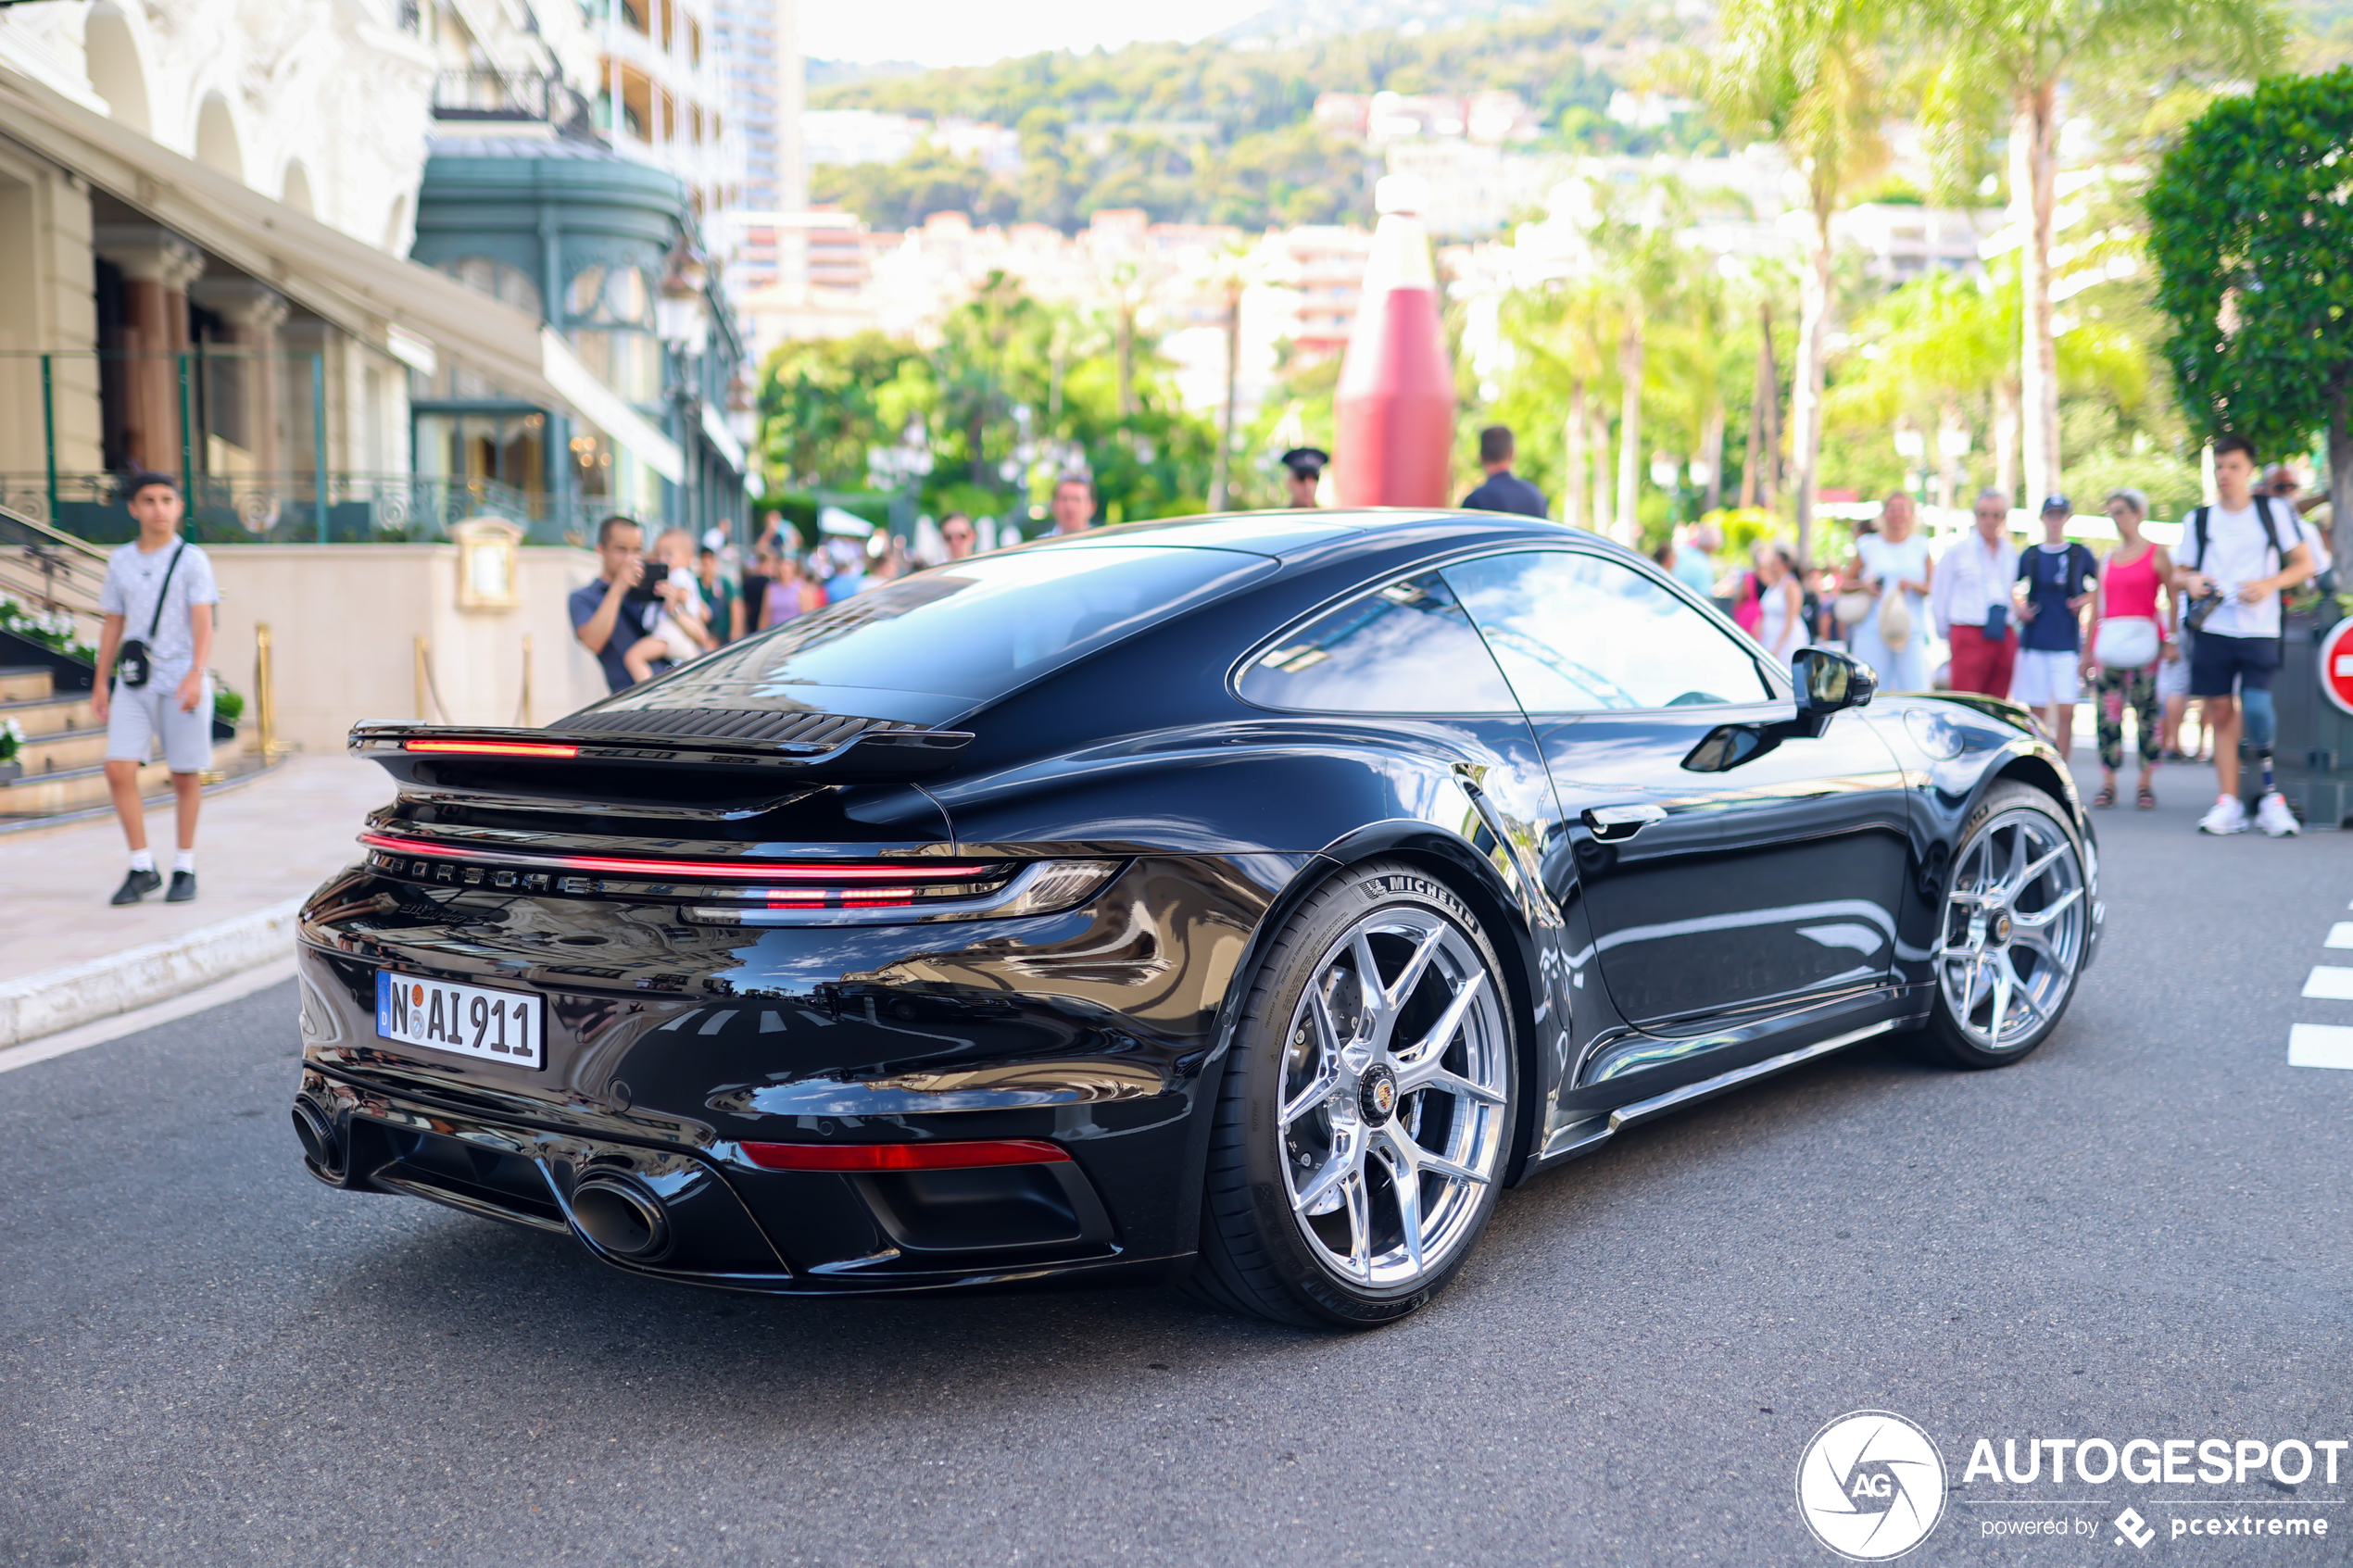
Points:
x=136 y=720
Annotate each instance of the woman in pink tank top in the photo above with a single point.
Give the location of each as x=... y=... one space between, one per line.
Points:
x=2130 y=581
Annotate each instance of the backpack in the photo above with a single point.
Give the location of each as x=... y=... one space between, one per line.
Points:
x=2262 y=515
x=2205 y=604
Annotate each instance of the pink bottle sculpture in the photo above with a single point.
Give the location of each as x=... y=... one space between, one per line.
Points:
x=1394 y=408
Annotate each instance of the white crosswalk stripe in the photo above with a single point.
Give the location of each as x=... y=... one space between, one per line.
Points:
x=2330 y=983
x=2320 y=1045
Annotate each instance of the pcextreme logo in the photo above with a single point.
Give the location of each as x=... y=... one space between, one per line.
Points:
x=1870 y=1486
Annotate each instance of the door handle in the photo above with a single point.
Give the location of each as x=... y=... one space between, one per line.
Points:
x=1615 y=825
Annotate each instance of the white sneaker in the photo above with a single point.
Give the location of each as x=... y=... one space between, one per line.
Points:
x=2273 y=817
x=2228 y=815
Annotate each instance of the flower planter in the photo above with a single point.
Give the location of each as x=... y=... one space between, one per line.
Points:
x=11 y=771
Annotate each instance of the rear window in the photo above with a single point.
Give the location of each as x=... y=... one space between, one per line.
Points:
x=929 y=647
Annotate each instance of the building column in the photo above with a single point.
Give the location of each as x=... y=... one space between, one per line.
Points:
x=157 y=266
x=254 y=312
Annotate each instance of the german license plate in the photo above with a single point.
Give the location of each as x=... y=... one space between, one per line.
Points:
x=463 y=1019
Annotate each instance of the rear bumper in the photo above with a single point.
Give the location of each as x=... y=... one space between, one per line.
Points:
x=720 y=1223
x=668 y=1047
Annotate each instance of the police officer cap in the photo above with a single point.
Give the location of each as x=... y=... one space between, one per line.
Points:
x=1306 y=461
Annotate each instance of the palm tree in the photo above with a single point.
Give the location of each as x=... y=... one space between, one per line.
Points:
x=2018 y=53
x=1643 y=267
x=1698 y=348
x=1942 y=353
x=1807 y=74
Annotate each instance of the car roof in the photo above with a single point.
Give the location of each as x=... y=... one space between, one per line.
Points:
x=1291 y=535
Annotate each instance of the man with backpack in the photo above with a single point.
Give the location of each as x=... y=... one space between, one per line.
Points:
x=2236 y=559
x=152 y=688
x=2059 y=577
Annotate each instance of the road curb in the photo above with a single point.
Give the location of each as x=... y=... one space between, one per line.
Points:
x=61 y=998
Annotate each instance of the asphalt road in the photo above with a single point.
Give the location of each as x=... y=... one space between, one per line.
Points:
x=208 y=1357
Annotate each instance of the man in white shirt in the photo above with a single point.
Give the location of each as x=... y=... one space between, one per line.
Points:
x=159 y=594
x=2240 y=555
x=1971 y=599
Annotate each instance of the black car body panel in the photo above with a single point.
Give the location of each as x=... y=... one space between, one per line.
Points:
x=1759 y=912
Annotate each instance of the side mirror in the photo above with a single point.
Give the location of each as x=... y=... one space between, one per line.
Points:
x=1830 y=683
x=1827 y=684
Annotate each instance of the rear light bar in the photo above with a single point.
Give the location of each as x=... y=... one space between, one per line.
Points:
x=856 y=1158
x=692 y=871
x=489 y=748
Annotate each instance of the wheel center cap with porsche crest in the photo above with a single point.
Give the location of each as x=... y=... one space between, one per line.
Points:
x=1376 y=1094
x=2001 y=931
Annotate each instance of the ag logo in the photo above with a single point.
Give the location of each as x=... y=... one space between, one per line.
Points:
x=1870 y=1486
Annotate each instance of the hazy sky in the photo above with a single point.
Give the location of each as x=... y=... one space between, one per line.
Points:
x=956 y=33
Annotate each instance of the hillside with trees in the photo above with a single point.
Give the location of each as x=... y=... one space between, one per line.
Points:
x=1213 y=132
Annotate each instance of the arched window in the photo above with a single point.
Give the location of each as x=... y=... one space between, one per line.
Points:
x=510 y=285
x=609 y=297
x=609 y=317
x=217 y=145
x=115 y=73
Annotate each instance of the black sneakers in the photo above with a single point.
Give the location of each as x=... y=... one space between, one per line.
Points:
x=138 y=885
x=184 y=887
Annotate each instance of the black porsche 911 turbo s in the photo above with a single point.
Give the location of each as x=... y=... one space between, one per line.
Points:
x=1244 y=901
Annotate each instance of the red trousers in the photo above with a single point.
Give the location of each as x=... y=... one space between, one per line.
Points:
x=1983 y=666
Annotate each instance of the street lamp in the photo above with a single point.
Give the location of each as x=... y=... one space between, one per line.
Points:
x=1666 y=474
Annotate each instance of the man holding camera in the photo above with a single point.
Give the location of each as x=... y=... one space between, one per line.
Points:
x=615 y=613
x=152 y=688
x=2235 y=559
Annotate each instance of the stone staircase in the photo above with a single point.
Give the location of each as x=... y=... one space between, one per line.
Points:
x=64 y=753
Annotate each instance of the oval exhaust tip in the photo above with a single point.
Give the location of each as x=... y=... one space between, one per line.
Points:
x=318 y=1136
x=620 y=1217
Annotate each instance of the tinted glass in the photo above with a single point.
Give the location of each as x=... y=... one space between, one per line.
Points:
x=961 y=635
x=1577 y=633
x=1406 y=648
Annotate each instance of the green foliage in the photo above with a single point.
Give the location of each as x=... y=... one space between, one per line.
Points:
x=902 y=194
x=1015 y=390
x=2252 y=229
x=228 y=703
x=1204 y=133
x=823 y=402
x=1244 y=91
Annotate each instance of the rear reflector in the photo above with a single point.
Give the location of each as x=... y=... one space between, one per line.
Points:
x=857 y=1157
x=489 y=748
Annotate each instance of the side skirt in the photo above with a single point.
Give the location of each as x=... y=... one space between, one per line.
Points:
x=1583 y=1137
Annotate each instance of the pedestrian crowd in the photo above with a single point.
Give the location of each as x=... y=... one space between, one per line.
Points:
x=2142 y=629
x=655 y=606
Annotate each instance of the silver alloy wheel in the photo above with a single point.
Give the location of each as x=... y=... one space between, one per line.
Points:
x=1394 y=1097
x=2015 y=924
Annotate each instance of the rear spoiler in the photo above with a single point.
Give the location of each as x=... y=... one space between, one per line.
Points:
x=881 y=754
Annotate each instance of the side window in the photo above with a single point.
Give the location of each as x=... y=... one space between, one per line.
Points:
x=1405 y=648
x=1577 y=633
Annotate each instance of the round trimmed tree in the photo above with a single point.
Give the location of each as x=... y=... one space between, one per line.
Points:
x=2252 y=229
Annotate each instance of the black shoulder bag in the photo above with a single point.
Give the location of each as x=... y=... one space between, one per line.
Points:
x=136 y=665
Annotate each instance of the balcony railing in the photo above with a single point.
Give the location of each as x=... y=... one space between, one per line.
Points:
x=510 y=95
x=291 y=508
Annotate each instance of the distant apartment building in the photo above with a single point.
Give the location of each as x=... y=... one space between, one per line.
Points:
x=1324 y=265
x=1473 y=189
x=1901 y=241
x=859 y=136
x=1380 y=119
x=758 y=45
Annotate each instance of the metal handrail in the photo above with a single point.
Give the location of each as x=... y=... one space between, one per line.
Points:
x=48 y=570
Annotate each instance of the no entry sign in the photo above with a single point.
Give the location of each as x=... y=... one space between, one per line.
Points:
x=2336 y=665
